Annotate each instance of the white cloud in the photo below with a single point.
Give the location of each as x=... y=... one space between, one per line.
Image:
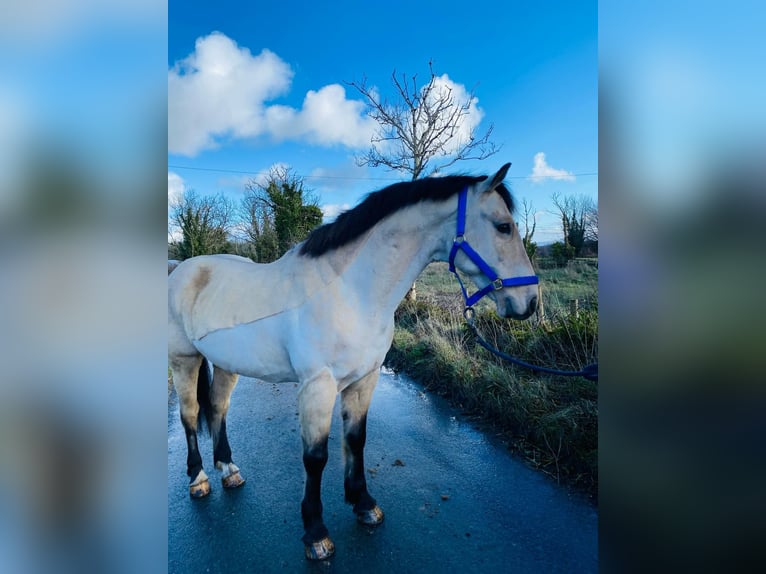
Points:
x=332 y=210
x=176 y=187
x=327 y=118
x=542 y=171
x=467 y=123
x=221 y=90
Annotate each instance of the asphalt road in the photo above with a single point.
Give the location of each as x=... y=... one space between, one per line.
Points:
x=455 y=500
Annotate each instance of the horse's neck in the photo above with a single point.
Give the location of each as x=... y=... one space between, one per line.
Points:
x=389 y=259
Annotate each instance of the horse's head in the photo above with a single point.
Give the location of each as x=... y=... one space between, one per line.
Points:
x=502 y=269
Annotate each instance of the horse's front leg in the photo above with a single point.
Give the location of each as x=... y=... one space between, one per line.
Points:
x=355 y=401
x=315 y=401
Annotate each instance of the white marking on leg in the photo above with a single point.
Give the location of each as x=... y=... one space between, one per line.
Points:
x=227 y=469
x=201 y=477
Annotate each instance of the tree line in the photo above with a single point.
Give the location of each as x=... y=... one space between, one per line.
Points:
x=578 y=215
x=275 y=214
x=272 y=216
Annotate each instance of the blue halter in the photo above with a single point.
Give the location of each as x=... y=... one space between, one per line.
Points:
x=589 y=372
x=461 y=243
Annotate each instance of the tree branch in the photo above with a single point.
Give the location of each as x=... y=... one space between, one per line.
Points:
x=421 y=127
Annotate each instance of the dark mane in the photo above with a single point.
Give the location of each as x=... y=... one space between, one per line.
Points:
x=378 y=205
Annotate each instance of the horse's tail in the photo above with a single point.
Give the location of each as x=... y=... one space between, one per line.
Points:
x=203 y=397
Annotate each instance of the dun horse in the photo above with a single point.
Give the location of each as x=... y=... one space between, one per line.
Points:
x=323 y=316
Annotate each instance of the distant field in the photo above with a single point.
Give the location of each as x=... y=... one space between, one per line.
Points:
x=578 y=280
x=551 y=421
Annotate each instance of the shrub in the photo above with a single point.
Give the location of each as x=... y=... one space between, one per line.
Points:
x=562 y=253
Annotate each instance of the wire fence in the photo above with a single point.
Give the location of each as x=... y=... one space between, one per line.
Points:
x=558 y=263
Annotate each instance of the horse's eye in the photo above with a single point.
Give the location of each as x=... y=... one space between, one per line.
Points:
x=504 y=228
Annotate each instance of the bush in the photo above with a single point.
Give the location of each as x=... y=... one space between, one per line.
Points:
x=562 y=253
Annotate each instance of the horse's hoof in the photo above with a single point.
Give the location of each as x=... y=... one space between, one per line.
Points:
x=233 y=480
x=321 y=550
x=200 y=489
x=371 y=517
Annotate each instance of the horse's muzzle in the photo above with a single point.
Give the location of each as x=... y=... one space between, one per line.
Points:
x=511 y=313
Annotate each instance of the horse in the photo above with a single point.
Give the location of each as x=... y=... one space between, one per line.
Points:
x=322 y=316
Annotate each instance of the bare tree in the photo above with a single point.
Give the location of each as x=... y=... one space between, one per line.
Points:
x=529 y=216
x=205 y=223
x=423 y=130
x=577 y=215
x=591 y=223
x=529 y=229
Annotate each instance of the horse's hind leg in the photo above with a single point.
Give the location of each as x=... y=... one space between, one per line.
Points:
x=185 y=374
x=355 y=400
x=220 y=394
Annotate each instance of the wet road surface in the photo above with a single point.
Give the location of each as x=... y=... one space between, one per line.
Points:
x=454 y=499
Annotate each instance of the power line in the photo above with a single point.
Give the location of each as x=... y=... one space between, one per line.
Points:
x=357 y=178
x=244 y=172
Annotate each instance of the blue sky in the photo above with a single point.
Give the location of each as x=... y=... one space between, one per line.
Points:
x=257 y=84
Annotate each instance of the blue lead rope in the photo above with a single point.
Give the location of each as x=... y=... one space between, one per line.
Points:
x=460 y=243
x=589 y=372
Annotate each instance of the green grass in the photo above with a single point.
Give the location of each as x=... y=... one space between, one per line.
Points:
x=551 y=421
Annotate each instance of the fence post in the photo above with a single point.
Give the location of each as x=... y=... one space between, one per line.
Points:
x=540 y=311
x=574 y=305
x=412 y=294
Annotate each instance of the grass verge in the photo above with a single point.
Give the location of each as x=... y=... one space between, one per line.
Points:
x=551 y=421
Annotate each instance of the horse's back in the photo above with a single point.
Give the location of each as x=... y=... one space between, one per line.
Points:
x=192 y=275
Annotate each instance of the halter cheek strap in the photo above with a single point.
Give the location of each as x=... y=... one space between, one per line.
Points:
x=460 y=243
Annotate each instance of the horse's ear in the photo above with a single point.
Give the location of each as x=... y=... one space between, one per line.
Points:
x=491 y=183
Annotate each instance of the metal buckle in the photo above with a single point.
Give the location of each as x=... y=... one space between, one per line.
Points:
x=459 y=239
x=497 y=284
x=468 y=314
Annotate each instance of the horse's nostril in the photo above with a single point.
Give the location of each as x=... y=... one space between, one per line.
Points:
x=533 y=304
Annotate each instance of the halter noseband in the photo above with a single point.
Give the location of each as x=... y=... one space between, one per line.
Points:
x=495 y=281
